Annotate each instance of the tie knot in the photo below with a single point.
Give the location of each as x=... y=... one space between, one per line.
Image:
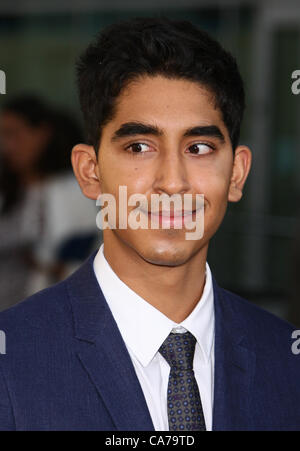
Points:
x=178 y=350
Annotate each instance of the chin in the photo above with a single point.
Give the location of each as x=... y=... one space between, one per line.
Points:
x=166 y=254
x=167 y=248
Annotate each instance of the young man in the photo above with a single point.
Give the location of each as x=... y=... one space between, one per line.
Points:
x=141 y=337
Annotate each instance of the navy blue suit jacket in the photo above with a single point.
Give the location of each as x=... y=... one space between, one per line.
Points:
x=66 y=366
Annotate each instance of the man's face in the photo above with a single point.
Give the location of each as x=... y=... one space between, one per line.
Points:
x=166 y=138
x=177 y=157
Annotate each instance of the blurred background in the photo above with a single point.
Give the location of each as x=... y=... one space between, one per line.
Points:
x=47 y=228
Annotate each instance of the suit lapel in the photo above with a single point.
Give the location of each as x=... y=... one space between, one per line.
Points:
x=103 y=353
x=234 y=367
x=104 y=356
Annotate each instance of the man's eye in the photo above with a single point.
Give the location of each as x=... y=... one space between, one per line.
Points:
x=138 y=147
x=200 y=148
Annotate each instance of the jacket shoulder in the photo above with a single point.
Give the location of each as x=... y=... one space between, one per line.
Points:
x=47 y=306
x=264 y=329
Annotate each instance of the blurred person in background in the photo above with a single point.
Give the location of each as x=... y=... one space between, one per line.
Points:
x=41 y=206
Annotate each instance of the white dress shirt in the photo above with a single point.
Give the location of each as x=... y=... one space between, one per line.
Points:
x=144 y=328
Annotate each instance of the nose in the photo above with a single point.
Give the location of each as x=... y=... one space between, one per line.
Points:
x=171 y=175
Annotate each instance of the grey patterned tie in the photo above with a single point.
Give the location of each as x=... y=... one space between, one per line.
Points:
x=184 y=404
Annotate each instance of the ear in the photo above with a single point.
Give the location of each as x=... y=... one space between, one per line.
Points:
x=86 y=170
x=240 y=171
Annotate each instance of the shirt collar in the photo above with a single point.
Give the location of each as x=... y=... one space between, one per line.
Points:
x=143 y=327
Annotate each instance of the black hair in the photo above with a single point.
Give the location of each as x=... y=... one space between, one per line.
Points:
x=127 y=50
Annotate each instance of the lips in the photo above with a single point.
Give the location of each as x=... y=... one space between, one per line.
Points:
x=170 y=214
x=171 y=219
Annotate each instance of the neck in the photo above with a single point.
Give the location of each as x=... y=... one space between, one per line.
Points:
x=174 y=291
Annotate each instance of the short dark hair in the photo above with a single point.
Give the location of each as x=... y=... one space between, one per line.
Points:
x=129 y=49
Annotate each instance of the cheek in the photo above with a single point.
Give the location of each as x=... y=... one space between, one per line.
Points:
x=213 y=183
x=113 y=174
x=219 y=188
x=215 y=189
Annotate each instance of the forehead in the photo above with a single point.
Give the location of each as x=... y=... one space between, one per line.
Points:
x=169 y=103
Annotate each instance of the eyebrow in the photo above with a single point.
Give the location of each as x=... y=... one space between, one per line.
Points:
x=206 y=130
x=139 y=128
x=135 y=128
